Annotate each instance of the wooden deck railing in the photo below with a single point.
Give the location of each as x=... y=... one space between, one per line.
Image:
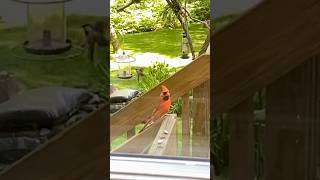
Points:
x=193 y=78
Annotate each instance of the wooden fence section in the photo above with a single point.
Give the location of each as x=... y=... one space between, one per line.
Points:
x=78 y=153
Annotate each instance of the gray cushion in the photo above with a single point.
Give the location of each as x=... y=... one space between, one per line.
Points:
x=43 y=107
x=123 y=95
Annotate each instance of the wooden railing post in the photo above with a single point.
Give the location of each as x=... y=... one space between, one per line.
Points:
x=185 y=125
x=201 y=115
x=242 y=141
x=292 y=124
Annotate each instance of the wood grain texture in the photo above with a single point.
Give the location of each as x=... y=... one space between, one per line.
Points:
x=292 y=129
x=138 y=143
x=184 y=80
x=185 y=116
x=78 y=152
x=260 y=47
x=242 y=142
x=200 y=122
x=131 y=132
x=169 y=144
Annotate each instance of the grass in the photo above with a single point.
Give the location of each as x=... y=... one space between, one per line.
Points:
x=72 y=72
x=123 y=83
x=166 y=42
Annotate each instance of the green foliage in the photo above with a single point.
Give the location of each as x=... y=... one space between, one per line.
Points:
x=153 y=15
x=168 y=19
x=200 y=10
x=220 y=147
x=177 y=107
x=142 y=17
x=154 y=75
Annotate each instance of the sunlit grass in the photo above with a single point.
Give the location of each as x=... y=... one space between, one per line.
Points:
x=73 y=72
x=166 y=42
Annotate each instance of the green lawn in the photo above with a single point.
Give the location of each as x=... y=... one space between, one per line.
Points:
x=123 y=83
x=72 y=72
x=166 y=42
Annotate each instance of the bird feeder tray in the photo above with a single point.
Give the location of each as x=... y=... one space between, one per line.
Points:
x=125 y=67
x=46 y=27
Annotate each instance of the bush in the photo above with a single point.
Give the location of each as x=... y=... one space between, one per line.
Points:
x=201 y=10
x=152 y=15
x=154 y=75
x=140 y=17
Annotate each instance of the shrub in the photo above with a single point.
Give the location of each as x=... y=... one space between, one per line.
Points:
x=140 y=17
x=154 y=75
x=200 y=10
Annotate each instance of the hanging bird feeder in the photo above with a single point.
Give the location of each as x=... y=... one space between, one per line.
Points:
x=124 y=66
x=184 y=46
x=46 y=27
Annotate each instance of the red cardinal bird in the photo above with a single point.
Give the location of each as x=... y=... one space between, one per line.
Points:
x=162 y=109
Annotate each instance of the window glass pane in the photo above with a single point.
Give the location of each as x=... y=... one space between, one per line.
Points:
x=160 y=73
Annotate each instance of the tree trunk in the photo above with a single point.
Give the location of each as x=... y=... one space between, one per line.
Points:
x=205 y=45
x=114 y=39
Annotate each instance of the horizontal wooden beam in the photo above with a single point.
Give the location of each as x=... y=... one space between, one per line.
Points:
x=165 y=142
x=137 y=144
x=180 y=83
x=260 y=47
x=79 y=152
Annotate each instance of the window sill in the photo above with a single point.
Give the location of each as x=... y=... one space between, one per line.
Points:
x=142 y=167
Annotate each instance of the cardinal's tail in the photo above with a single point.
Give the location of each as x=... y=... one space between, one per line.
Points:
x=146 y=122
